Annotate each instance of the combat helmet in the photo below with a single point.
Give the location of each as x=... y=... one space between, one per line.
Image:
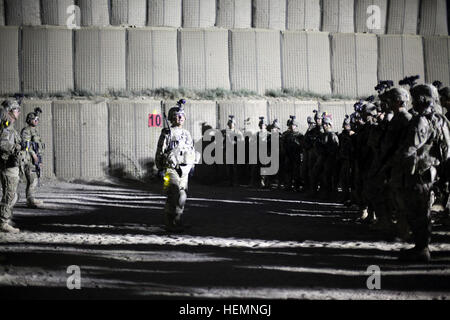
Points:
x=425 y=96
x=177 y=110
x=292 y=121
x=274 y=125
x=327 y=118
x=262 y=122
x=10 y=105
x=396 y=95
x=445 y=93
x=33 y=115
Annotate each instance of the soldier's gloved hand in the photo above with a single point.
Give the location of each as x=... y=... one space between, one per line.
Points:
x=17 y=147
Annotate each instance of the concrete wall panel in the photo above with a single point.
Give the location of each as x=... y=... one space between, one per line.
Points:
x=242 y=110
x=133 y=143
x=283 y=109
x=400 y=56
x=433 y=18
x=2 y=13
x=354 y=64
x=23 y=12
x=403 y=16
x=203 y=57
x=129 y=12
x=233 y=14
x=164 y=13
x=437 y=59
x=302 y=67
x=152 y=60
x=303 y=15
x=269 y=14
x=54 y=12
x=9 y=60
x=338 y=16
x=338 y=110
x=45 y=129
x=100 y=59
x=81 y=149
x=362 y=17
x=255 y=60
x=199 y=13
x=94 y=12
x=47 y=59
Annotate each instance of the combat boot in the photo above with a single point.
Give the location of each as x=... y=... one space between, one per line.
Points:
x=34 y=203
x=7 y=228
x=415 y=255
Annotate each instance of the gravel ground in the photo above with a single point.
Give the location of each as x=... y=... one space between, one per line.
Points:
x=242 y=243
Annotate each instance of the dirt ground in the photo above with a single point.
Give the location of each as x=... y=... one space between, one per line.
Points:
x=242 y=243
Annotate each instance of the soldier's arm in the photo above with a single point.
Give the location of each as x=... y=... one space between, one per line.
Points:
x=161 y=149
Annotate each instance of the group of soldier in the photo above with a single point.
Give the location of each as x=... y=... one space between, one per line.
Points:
x=390 y=161
x=20 y=157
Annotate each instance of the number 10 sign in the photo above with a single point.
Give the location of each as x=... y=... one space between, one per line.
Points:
x=154 y=120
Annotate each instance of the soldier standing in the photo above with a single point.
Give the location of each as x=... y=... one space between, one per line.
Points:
x=232 y=137
x=310 y=156
x=426 y=145
x=262 y=136
x=345 y=155
x=176 y=156
x=291 y=140
x=274 y=129
x=9 y=163
x=32 y=156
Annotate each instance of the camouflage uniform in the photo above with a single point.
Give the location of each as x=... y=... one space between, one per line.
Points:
x=291 y=140
x=30 y=136
x=327 y=147
x=425 y=147
x=310 y=155
x=176 y=156
x=345 y=156
x=231 y=139
x=9 y=166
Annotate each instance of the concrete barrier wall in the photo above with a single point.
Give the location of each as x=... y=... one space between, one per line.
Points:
x=255 y=60
x=437 y=59
x=354 y=64
x=129 y=12
x=47 y=59
x=203 y=58
x=269 y=14
x=400 y=56
x=94 y=12
x=22 y=12
x=2 y=13
x=152 y=60
x=303 y=15
x=100 y=59
x=199 y=13
x=282 y=109
x=338 y=16
x=45 y=129
x=54 y=12
x=233 y=14
x=302 y=67
x=164 y=13
x=338 y=110
x=133 y=143
x=9 y=60
x=242 y=110
x=403 y=16
x=433 y=18
x=362 y=17
x=81 y=148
